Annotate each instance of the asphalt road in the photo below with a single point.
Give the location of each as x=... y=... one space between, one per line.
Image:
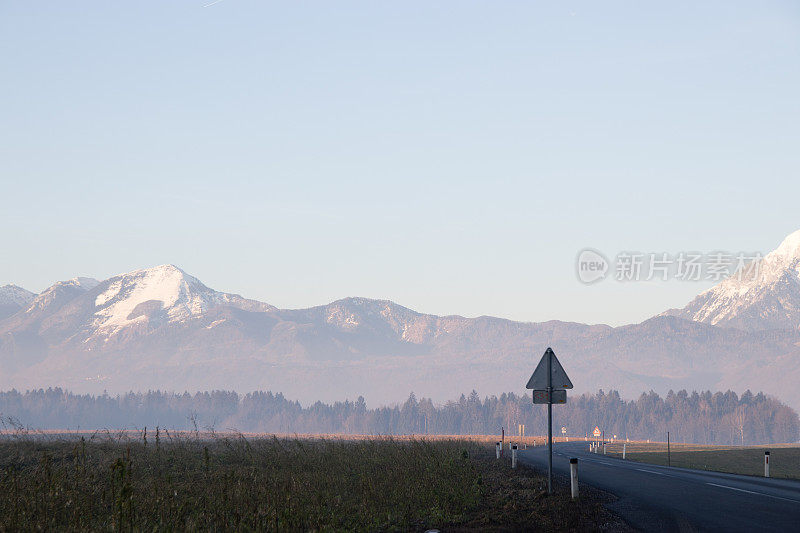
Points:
x=658 y=498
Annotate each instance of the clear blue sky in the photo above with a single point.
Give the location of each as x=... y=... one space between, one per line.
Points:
x=450 y=156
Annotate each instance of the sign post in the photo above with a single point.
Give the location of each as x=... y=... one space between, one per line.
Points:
x=549 y=382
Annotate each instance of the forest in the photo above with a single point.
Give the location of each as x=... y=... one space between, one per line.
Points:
x=697 y=417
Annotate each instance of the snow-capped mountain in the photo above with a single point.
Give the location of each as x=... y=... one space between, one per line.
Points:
x=157 y=295
x=160 y=328
x=765 y=295
x=12 y=299
x=86 y=314
x=60 y=293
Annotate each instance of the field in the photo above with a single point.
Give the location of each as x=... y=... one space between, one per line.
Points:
x=227 y=482
x=784 y=458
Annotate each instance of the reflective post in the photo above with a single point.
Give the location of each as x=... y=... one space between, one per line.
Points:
x=514 y=456
x=573 y=476
x=766 y=464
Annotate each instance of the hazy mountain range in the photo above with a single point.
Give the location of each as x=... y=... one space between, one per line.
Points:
x=160 y=328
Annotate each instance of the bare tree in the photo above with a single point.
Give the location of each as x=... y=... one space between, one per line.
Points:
x=739 y=419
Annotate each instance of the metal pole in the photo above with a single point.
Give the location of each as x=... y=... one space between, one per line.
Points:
x=766 y=464
x=549 y=422
x=669 y=460
x=573 y=477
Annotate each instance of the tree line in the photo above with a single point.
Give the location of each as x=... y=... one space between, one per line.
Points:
x=697 y=417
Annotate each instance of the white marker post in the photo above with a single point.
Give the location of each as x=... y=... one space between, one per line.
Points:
x=514 y=456
x=623 y=450
x=766 y=464
x=497 y=449
x=573 y=477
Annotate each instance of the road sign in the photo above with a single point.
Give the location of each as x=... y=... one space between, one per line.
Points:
x=563 y=430
x=539 y=380
x=596 y=431
x=549 y=382
x=559 y=396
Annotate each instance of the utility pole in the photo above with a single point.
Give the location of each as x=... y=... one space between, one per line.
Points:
x=669 y=462
x=550 y=422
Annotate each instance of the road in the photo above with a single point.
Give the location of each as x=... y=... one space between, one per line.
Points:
x=658 y=498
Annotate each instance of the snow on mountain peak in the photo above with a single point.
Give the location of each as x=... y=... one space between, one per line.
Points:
x=765 y=295
x=61 y=292
x=84 y=283
x=164 y=292
x=14 y=295
x=789 y=248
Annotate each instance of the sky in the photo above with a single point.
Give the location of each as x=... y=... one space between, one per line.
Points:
x=454 y=157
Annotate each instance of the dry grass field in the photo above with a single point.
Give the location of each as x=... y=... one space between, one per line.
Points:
x=134 y=481
x=748 y=460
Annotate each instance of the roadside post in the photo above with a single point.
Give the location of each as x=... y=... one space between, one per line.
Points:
x=514 y=456
x=669 y=459
x=623 y=449
x=766 y=464
x=497 y=449
x=573 y=477
x=549 y=383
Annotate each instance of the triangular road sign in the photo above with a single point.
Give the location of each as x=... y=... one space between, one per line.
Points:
x=560 y=379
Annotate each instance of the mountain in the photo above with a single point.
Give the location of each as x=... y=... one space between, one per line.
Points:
x=12 y=299
x=160 y=328
x=766 y=295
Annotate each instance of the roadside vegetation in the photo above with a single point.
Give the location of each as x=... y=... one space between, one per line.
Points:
x=160 y=482
x=784 y=459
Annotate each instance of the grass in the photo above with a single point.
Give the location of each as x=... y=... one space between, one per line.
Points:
x=784 y=459
x=165 y=483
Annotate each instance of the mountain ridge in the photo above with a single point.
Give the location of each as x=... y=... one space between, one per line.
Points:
x=162 y=328
x=764 y=294
x=13 y=298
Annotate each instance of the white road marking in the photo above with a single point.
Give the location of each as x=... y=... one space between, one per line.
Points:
x=733 y=488
x=651 y=472
x=623 y=465
x=753 y=492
